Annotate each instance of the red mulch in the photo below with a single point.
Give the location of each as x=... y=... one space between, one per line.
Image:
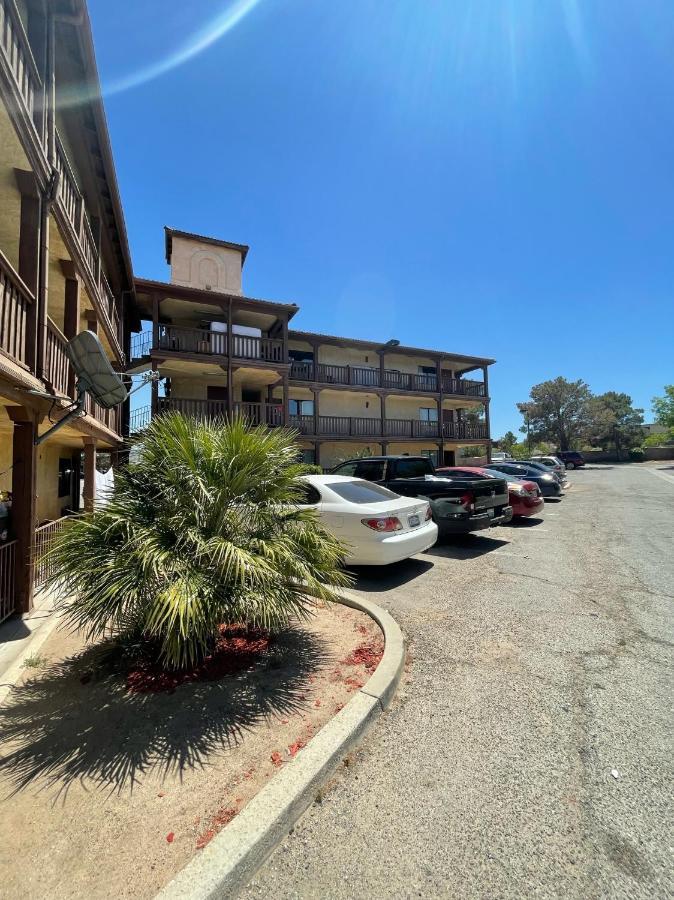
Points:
x=219 y=820
x=237 y=649
x=367 y=654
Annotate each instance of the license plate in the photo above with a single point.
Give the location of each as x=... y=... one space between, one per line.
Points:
x=413 y=521
x=490 y=513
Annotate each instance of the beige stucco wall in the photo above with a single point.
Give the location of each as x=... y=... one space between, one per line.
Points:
x=333 y=452
x=49 y=504
x=347 y=356
x=202 y=265
x=11 y=157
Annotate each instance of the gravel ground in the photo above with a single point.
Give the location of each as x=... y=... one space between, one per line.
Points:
x=530 y=752
x=107 y=793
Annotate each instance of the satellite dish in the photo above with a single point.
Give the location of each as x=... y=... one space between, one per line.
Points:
x=95 y=376
x=94 y=373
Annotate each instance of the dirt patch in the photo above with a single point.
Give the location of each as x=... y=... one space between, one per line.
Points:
x=107 y=791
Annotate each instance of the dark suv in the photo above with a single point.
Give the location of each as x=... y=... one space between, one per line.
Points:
x=572 y=459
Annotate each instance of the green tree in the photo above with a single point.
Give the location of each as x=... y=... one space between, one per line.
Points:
x=557 y=411
x=202 y=530
x=613 y=420
x=507 y=442
x=663 y=407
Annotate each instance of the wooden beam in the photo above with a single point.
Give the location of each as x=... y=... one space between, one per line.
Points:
x=24 y=501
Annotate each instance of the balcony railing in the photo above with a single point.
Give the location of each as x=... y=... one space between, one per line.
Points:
x=72 y=203
x=359 y=376
x=256 y=413
x=204 y=341
x=15 y=303
x=56 y=362
x=16 y=49
x=356 y=427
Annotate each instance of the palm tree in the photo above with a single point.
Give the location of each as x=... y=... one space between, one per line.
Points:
x=200 y=531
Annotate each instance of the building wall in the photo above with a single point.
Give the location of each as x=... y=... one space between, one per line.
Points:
x=11 y=157
x=333 y=452
x=200 y=265
x=49 y=504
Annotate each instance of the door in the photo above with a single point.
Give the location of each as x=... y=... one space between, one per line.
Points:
x=216 y=396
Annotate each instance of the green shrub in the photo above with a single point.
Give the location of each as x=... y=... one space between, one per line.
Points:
x=201 y=531
x=637 y=454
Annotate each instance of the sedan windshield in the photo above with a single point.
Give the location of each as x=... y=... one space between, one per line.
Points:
x=361 y=491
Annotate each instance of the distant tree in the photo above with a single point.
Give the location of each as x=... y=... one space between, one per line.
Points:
x=557 y=411
x=663 y=439
x=663 y=407
x=507 y=441
x=613 y=420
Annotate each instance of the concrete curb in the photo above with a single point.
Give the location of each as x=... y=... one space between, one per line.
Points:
x=33 y=644
x=230 y=860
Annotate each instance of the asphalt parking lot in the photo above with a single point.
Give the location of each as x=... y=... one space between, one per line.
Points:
x=529 y=752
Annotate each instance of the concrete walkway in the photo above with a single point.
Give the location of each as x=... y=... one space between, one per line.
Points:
x=531 y=752
x=19 y=633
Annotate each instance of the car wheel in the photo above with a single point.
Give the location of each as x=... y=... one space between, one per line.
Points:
x=570 y=465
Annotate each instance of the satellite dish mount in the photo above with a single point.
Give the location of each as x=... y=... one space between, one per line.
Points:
x=95 y=376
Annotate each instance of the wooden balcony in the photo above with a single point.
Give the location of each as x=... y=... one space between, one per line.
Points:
x=205 y=342
x=357 y=376
x=25 y=99
x=327 y=427
x=16 y=303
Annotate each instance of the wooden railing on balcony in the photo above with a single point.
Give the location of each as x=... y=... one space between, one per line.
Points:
x=68 y=189
x=15 y=303
x=360 y=376
x=111 y=418
x=359 y=428
x=57 y=365
x=16 y=49
x=7 y=580
x=215 y=343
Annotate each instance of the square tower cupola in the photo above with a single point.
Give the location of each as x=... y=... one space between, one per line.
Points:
x=207 y=263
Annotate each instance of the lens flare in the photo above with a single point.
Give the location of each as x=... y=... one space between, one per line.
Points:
x=196 y=44
x=201 y=40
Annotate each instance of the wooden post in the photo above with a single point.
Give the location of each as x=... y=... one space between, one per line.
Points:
x=317 y=412
x=317 y=453
x=285 y=398
x=29 y=254
x=382 y=413
x=24 y=501
x=71 y=312
x=89 y=473
x=154 y=391
x=381 y=368
x=486 y=411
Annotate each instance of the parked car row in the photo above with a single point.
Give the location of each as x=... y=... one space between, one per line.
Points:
x=388 y=508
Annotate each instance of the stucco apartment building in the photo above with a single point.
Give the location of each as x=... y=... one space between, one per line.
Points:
x=64 y=267
x=218 y=350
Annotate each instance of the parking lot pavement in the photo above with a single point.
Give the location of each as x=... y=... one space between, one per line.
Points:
x=529 y=752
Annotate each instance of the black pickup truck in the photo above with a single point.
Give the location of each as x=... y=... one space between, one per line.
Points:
x=459 y=505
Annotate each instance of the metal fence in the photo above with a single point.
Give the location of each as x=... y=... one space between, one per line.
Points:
x=45 y=538
x=7 y=579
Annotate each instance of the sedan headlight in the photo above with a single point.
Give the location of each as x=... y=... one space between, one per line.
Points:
x=547 y=477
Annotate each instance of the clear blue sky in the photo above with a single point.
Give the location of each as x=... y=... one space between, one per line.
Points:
x=493 y=178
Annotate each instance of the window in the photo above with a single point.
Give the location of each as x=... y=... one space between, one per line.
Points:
x=370 y=469
x=308 y=457
x=348 y=468
x=427 y=370
x=65 y=477
x=412 y=468
x=360 y=492
x=433 y=455
x=428 y=414
x=310 y=495
x=301 y=355
x=301 y=407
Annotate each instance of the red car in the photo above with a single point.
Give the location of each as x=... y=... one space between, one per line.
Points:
x=524 y=496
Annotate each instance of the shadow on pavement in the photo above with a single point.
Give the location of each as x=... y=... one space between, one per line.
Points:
x=465 y=546
x=78 y=721
x=385 y=578
x=525 y=522
x=553 y=499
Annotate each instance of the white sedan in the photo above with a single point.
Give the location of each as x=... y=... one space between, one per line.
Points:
x=378 y=526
